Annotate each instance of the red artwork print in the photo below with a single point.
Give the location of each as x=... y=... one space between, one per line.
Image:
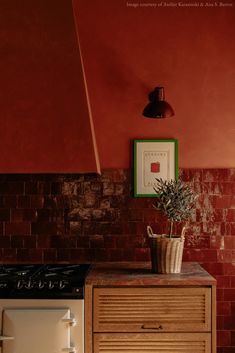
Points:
x=155 y=167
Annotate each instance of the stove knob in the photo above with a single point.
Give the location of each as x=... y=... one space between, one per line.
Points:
x=51 y=285
x=61 y=284
x=29 y=285
x=3 y=285
x=41 y=285
x=20 y=284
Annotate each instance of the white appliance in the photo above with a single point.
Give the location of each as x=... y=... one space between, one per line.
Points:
x=52 y=323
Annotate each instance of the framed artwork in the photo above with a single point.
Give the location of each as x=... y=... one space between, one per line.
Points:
x=153 y=159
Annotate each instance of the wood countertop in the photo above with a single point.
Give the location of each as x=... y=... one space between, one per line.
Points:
x=139 y=274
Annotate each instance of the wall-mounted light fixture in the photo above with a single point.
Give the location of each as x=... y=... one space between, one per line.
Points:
x=158 y=108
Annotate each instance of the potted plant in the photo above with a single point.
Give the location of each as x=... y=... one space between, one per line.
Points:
x=176 y=200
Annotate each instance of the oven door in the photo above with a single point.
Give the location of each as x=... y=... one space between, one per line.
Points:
x=41 y=328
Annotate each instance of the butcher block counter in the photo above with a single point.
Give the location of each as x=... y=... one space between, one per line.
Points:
x=130 y=309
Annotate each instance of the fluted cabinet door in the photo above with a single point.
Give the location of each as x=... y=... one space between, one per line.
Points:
x=152 y=343
x=152 y=309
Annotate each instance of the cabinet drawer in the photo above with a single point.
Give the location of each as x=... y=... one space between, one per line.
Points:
x=154 y=343
x=152 y=309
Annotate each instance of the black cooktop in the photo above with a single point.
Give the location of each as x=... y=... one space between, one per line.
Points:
x=43 y=281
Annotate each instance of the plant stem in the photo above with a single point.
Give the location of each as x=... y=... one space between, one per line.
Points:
x=171 y=228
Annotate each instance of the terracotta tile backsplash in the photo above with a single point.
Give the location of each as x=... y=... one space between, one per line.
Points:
x=89 y=218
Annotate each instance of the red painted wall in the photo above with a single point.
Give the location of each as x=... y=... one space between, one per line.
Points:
x=127 y=51
x=44 y=120
x=189 y=50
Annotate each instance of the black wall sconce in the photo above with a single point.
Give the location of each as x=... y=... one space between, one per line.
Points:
x=158 y=108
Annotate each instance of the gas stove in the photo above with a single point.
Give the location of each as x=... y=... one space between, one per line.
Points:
x=43 y=281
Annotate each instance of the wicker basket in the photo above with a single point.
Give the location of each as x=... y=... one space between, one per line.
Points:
x=166 y=253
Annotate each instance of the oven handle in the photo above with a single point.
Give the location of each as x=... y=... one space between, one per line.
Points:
x=69 y=350
x=5 y=338
x=71 y=321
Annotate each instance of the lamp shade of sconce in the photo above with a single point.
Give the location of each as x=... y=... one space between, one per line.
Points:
x=157 y=107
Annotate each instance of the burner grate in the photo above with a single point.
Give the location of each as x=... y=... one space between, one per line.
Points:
x=43 y=281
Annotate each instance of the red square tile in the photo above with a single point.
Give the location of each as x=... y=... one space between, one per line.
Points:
x=50 y=255
x=36 y=255
x=229 y=322
x=233 y=338
x=232 y=281
x=223 y=308
x=219 y=294
x=220 y=322
x=223 y=281
x=225 y=256
x=17 y=228
x=223 y=338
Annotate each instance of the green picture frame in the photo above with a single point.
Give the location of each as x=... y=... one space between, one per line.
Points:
x=154 y=159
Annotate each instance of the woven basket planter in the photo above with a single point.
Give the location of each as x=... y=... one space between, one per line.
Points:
x=166 y=253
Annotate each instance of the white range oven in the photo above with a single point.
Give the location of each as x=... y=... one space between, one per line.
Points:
x=42 y=308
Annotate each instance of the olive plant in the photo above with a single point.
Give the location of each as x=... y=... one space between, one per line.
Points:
x=175 y=199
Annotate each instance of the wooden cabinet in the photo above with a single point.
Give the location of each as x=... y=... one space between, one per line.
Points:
x=152 y=343
x=149 y=309
x=148 y=313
